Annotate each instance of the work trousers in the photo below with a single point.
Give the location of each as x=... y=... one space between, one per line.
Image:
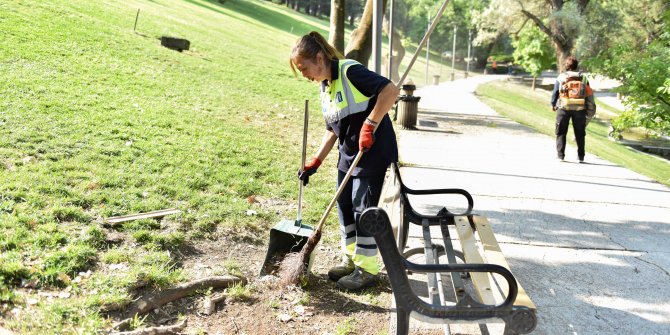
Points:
x=358 y=194
x=563 y=118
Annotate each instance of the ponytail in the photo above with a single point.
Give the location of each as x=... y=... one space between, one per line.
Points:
x=309 y=46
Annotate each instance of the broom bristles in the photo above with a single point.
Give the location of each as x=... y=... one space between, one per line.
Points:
x=295 y=266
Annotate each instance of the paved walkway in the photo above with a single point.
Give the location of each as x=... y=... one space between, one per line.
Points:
x=590 y=243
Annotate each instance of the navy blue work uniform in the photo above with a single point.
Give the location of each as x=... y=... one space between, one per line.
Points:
x=364 y=187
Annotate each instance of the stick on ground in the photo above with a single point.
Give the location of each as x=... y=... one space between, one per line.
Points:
x=151 y=301
x=209 y=304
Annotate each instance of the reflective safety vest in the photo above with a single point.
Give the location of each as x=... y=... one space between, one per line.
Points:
x=341 y=98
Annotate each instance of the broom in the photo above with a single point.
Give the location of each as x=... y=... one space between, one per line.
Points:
x=294 y=265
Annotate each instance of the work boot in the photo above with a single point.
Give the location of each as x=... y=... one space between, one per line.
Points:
x=357 y=280
x=345 y=268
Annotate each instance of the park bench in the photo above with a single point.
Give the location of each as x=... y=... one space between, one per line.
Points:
x=484 y=288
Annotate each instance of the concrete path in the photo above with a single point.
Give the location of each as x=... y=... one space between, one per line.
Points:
x=590 y=242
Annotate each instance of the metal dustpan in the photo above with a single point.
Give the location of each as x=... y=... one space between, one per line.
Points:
x=285 y=237
x=289 y=235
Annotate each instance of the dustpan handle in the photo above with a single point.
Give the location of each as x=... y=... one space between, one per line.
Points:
x=343 y=184
x=302 y=164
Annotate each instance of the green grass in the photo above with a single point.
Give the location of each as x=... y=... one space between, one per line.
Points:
x=532 y=109
x=347 y=327
x=97 y=120
x=239 y=292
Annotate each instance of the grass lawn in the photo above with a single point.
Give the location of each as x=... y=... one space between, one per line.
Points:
x=97 y=120
x=531 y=108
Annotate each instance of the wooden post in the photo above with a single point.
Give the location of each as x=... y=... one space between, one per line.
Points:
x=136 y=17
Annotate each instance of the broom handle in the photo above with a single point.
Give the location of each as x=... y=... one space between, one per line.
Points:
x=302 y=165
x=343 y=184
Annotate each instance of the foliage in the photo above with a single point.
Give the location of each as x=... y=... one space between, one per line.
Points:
x=502 y=58
x=602 y=26
x=533 y=51
x=639 y=59
x=412 y=19
x=562 y=21
x=644 y=74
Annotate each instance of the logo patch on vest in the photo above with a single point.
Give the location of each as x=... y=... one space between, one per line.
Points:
x=338 y=96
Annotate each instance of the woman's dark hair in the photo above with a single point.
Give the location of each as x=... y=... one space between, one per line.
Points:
x=309 y=46
x=571 y=63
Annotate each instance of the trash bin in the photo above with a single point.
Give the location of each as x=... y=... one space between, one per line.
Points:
x=436 y=79
x=408 y=107
x=408 y=89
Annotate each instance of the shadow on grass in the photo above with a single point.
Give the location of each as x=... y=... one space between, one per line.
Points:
x=258 y=15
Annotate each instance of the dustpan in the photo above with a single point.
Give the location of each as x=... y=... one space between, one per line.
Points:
x=289 y=235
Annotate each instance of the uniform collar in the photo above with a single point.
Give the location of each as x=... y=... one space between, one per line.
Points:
x=334 y=71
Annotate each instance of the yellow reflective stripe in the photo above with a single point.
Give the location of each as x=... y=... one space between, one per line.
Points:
x=342 y=99
x=356 y=101
x=367 y=263
x=349 y=249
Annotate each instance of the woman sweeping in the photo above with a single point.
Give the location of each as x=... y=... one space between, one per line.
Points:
x=355 y=103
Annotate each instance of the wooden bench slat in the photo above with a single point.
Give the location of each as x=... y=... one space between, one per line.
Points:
x=482 y=280
x=494 y=255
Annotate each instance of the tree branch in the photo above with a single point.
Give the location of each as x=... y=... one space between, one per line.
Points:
x=161 y=298
x=537 y=22
x=520 y=28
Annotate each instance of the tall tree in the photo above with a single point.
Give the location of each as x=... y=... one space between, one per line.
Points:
x=360 y=43
x=563 y=26
x=398 y=52
x=336 y=35
x=560 y=20
x=639 y=58
x=532 y=51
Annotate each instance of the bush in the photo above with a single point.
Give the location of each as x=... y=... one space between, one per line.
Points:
x=501 y=58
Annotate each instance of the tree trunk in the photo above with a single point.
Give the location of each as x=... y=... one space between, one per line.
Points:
x=563 y=51
x=483 y=54
x=336 y=35
x=398 y=53
x=360 y=44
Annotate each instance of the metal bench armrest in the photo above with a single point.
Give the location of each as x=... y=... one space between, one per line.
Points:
x=406 y=190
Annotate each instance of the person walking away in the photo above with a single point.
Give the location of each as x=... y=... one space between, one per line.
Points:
x=572 y=99
x=354 y=101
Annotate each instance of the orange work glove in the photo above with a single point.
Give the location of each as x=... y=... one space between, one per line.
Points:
x=367 y=136
x=309 y=169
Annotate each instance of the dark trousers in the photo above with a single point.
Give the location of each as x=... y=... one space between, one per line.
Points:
x=578 y=126
x=359 y=194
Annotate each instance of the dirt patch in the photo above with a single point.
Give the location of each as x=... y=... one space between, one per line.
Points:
x=317 y=307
